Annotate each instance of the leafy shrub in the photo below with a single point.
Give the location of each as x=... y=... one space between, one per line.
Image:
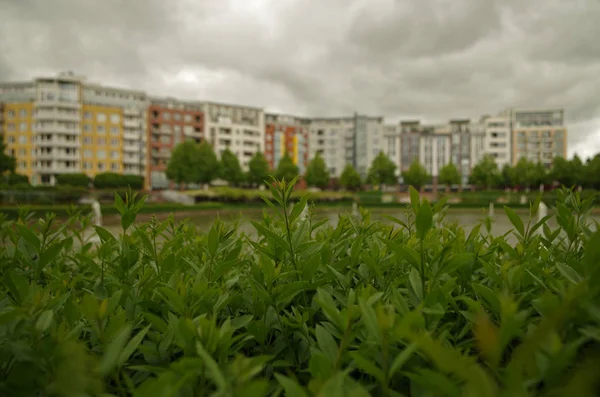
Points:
x=358 y=309
x=78 y=180
x=111 y=180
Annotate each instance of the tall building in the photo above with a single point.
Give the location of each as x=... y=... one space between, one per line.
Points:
x=368 y=132
x=63 y=124
x=334 y=139
x=284 y=133
x=391 y=144
x=170 y=122
x=410 y=143
x=239 y=128
x=435 y=149
x=538 y=135
x=497 y=139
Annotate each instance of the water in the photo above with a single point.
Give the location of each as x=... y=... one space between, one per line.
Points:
x=204 y=219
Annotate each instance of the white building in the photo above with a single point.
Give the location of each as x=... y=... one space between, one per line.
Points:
x=497 y=139
x=368 y=142
x=392 y=145
x=239 y=128
x=434 y=149
x=333 y=138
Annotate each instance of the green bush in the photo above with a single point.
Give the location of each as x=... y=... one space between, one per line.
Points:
x=357 y=309
x=77 y=180
x=111 y=180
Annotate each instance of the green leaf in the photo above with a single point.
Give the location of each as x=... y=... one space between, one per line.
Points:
x=368 y=366
x=104 y=234
x=369 y=319
x=405 y=252
x=515 y=219
x=131 y=346
x=326 y=343
x=569 y=273
x=113 y=351
x=49 y=254
x=415 y=283
x=291 y=387
x=424 y=220
x=488 y=295
x=415 y=200
x=213 y=240
x=44 y=320
x=119 y=205
x=29 y=236
x=402 y=358
x=127 y=219
x=212 y=366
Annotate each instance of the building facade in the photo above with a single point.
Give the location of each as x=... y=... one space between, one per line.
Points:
x=334 y=139
x=497 y=139
x=538 y=135
x=289 y=134
x=170 y=122
x=239 y=128
x=368 y=133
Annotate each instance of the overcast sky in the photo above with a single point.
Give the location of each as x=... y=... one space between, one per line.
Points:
x=427 y=59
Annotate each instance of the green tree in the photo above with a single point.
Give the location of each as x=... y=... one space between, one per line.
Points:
x=316 y=173
x=507 y=177
x=258 y=169
x=540 y=174
x=449 y=175
x=485 y=173
x=591 y=175
x=7 y=163
x=525 y=173
x=184 y=165
x=231 y=171
x=567 y=173
x=350 y=178
x=382 y=171
x=286 y=169
x=416 y=175
x=208 y=164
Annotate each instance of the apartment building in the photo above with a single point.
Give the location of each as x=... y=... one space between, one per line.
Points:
x=410 y=143
x=334 y=139
x=63 y=124
x=435 y=149
x=391 y=144
x=239 y=128
x=284 y=133
x=497 y=139
x=368 y=132
x=538 y=135
x=170 y=122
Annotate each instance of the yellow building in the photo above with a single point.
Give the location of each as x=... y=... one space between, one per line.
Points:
x=17 y=127
x=101 y=139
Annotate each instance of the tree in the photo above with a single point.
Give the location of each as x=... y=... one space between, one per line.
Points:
x=316 y=173
x=184 y=165
x=382 y=171
x=525 y=173
x=208 y=164
x=449 y=175
x=231 y=171
x=258 y=169
x=350 y=178
x=7 y=163
x=286 y=169
x=507 y=177
x=567 y=173
x=73 y=180
x=592 y=173
x=485 y=173
x=416 y=175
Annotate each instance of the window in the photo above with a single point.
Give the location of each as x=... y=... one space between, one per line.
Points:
x=10 y=127
x=87 y=127
x=101 y=117
x=22 y=139
x=87 y=140
x=187 y=118
x=114 y=155
x=100 y=129
x=114 y=142
x=101 y=141
x=101 y=154
x=115 y=167
x=115 y=118
x=114 y=130
x=33 y=152
x=87 y=115
x=87 y=166
x=22 y=164
x=23 y=113
x=176 y=116
x=11 y=114
x=22 y=152
x=100 y=166
x=166 y=116
x=87 y=154
x=23 y=127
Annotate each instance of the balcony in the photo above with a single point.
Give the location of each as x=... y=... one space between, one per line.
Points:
x=129 y=123
x=56 y=142
x=134 y=136
x=55 y=103
x=57 y=168
x=67 y=156
x=55 y=128
x=161 y=155
x=131 y=159
x=131 y=112
x=57 y=115
x=131 y=147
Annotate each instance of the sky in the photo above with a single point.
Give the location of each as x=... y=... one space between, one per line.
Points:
x=427 y=59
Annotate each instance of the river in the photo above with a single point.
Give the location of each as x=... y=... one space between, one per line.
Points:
x=204 y=219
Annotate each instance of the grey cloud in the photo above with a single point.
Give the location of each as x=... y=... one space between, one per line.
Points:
x=433 y=59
